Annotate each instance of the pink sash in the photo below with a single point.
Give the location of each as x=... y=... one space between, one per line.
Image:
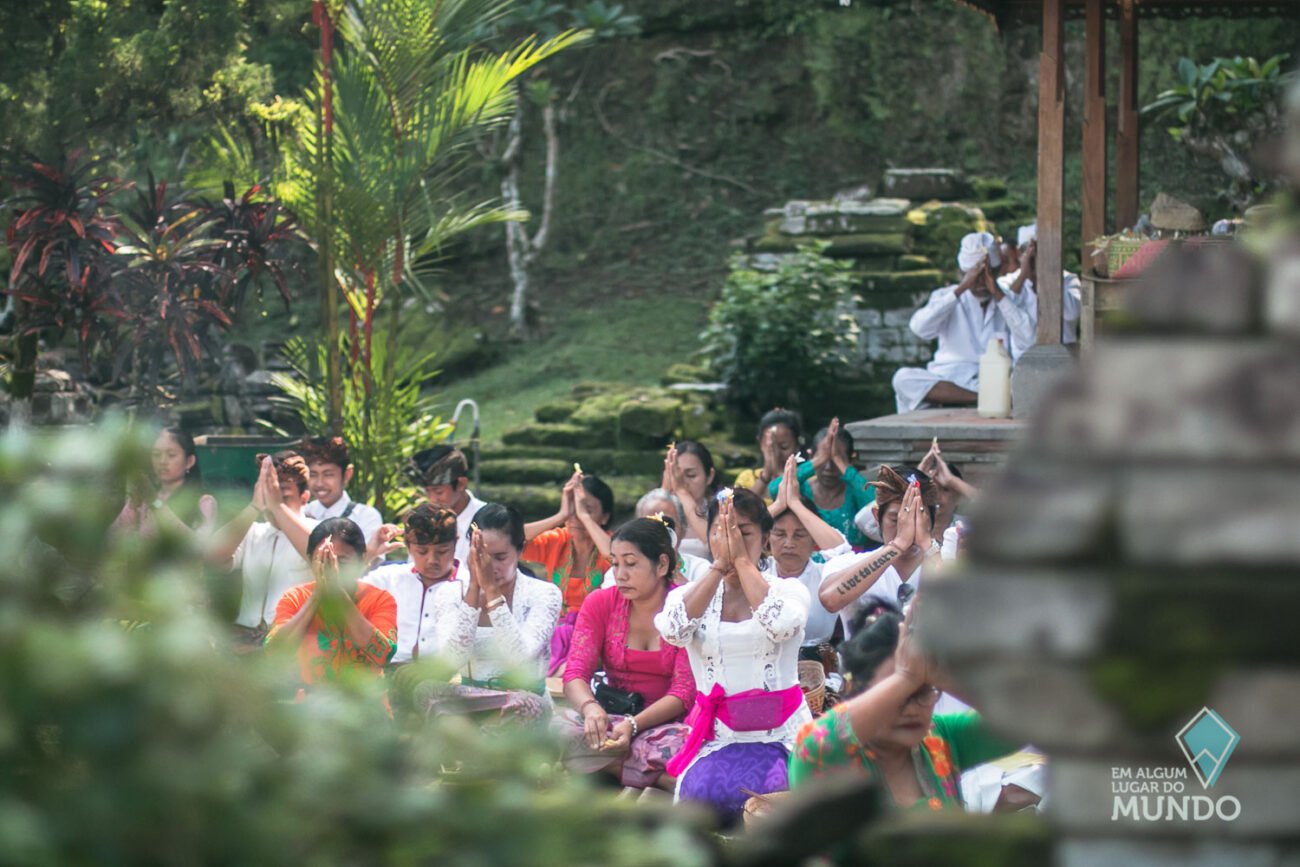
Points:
x=753 y=710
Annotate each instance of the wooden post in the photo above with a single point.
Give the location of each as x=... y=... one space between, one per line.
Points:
x=1126 y=141
x=1094 y=130
x=1051 y=174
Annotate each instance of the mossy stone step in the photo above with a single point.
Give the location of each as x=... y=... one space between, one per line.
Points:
x=898 y=281
x=525 y=471
x=843 y=224
x=853 y=245
x=572 y=436
x=538 y=501
x=602 y=462
x=1007 y=210
x=557 y=411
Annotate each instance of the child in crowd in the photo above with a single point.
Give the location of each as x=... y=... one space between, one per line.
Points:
x=443 y=473
x=329 y=469
x=429 y=533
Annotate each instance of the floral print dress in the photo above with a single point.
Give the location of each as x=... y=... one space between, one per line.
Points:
x=956 y=742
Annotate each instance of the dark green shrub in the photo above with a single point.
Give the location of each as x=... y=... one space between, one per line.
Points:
x=780 y=337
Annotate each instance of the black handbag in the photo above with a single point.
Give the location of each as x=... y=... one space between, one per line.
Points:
x=623 y=702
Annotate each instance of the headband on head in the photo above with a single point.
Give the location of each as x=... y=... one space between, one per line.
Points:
x=440 y=465
x=891 y=487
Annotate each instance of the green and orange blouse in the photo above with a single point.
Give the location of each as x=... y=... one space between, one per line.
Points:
x=956 y=743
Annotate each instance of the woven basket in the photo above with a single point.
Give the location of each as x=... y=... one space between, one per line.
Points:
x=1119 y=250
x=812 y=678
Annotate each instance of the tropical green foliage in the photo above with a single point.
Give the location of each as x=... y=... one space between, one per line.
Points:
x=783 y=337
x=1225 y=110
x=142 y=79
x=374 y=170
x=130 y=735
x=387 y=414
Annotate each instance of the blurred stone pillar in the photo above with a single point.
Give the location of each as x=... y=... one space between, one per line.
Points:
x=1140 y=560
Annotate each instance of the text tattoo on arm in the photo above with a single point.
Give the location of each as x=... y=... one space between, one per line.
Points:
x=865 y=572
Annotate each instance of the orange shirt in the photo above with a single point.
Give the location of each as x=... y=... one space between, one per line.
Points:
x=553 y=551
x=326 y=650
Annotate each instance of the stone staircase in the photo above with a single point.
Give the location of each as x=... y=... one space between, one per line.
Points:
x=616 y=431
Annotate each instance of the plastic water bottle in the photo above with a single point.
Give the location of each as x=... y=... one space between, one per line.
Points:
x=995 y=381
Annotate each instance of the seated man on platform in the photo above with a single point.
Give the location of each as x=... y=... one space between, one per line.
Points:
x=965 y=318
x=1022 y=279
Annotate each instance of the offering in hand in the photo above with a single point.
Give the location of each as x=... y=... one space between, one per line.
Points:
x=725 y=495
x=577 y=468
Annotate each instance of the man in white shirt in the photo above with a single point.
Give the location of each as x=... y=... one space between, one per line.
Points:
x=893 y=571
x=329 y=471
x=430 y=533
x=443 y=472
x=964 y=318
x=265 y=556
x=1021 y=281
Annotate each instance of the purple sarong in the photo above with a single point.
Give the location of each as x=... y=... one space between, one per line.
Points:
x=720 y=777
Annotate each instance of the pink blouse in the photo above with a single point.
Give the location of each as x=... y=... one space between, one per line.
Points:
x=600 y=640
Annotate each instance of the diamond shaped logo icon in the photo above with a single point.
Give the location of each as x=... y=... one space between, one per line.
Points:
x=1207 y=742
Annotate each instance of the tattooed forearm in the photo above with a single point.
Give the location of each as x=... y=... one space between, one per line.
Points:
x=868 y=570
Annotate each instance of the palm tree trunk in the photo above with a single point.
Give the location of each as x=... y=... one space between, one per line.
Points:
x=329 y=310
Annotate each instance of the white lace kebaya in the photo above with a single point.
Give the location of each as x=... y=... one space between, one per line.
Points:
x=518 y=641
x=759 y=653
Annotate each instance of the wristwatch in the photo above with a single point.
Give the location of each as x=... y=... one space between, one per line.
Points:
x=935 y=548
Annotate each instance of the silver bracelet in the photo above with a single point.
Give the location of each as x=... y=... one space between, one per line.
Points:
x=635 y=728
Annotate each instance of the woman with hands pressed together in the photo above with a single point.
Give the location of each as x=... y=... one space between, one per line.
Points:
x=952 y=489
x=742 y=630
x=889 y=730
x=496 y=626
x=832 y=482
x=631 y=724
x=801 y=543
x=780 y=435
x=905 y=510
x=690 y=475
x=335 y=622
x=572 y=547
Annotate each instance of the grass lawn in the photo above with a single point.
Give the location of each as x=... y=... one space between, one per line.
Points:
x=629 y=340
